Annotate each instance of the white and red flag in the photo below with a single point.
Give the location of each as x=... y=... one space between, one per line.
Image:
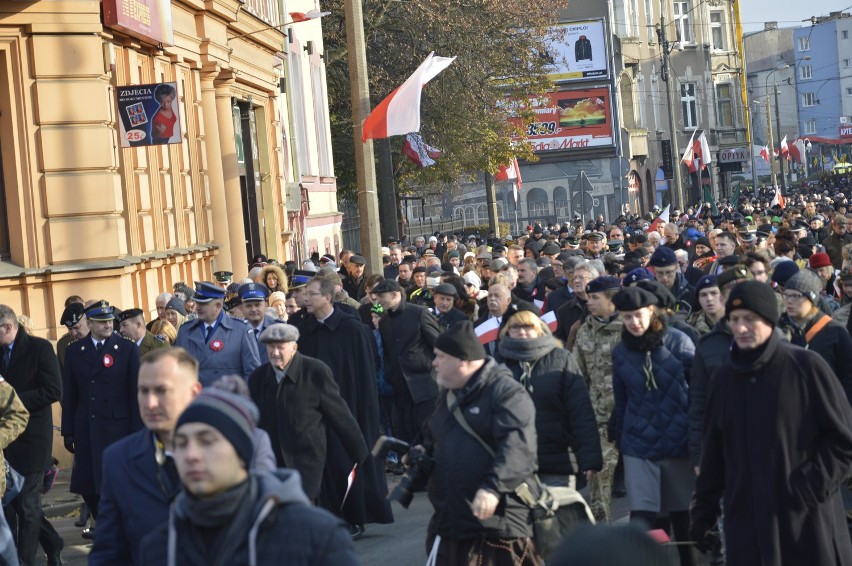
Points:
x=510 y=172
x=549 y=318
x=778 y=199
x=785 y=149
x=663 y=217
x=399 y=113
x=487 y=331
x=296 y=17
x=703 y=151
x=688 y=157
x=797 y=151
x=419 y=152
x=764 y=153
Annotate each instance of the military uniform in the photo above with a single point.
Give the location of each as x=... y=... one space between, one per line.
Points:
x=699 y=321
x=14 y=420
x=230 y=349
x=593 y=347
x=150 y=342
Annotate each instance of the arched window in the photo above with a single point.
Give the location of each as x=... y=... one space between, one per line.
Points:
x=537 y=203
x=560 y=203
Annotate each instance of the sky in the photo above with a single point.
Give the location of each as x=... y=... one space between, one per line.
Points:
x=788 y=13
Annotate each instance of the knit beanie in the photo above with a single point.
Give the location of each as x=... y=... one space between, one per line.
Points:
x=460 y=341
x=807 y=283
x=783 y=271
x=754 y=296
x=228 y=414
x=177 y=305
x=819 y=259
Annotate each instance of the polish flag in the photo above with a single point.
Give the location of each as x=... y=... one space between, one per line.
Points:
x=688 y=157
x=487 y=331
x=418 y=151
x=778 y=199
x=296 y=17
x=510 y=172
x=663 y=217
x=703 y=151
x=764 y=153
x=350 y=479
x=797 y=151
x=549 y=319
x=399 y=113
x=785 y=149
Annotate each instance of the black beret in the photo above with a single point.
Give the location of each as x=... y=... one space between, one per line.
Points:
x=664 y=297
x=460 y=341
x=663 y=257
x=633 y=298
x=603 y=283
x=705 y=282
x=754 y=296
x=72 y=314
x=128 y=314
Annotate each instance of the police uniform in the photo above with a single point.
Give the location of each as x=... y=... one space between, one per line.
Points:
x=257 y=292
x=229 y=349
x=99 y=403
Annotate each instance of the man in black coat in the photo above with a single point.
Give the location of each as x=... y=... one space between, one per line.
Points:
x=29 y=365
x=445 y=296
x=298 y=399
x=777 y=445
x=408 y=336
x=347 y=347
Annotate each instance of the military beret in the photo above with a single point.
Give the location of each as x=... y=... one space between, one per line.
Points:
x=603 y=283
x=72 y=314
x=128 y=314
x=445 y=289
x=223 y=276
x=706 y=282
x=663 y=257
x=633 y=298
x=280 y=332
x=357 y=260
x=454 y=253
x=636 y=275
x=100 y=311
x=253 y=292
x=387 y=286
x=206 y=292
x=665 y=298
x=736 y=273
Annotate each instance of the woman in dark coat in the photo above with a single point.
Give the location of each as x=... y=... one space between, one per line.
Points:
x=563 y=409
x=650 y=368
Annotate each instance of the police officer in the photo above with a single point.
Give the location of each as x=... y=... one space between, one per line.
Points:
x=99 y=403
x=254 y=297
x=221 y=344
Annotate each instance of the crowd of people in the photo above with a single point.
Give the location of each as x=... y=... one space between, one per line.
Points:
x=699 y=364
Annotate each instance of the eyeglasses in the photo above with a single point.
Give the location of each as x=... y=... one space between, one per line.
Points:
x=793 y=296
x=527 y=327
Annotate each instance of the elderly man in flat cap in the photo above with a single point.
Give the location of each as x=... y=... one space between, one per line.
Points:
x=298 y=397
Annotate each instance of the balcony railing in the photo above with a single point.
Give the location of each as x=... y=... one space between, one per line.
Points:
x=266 y=10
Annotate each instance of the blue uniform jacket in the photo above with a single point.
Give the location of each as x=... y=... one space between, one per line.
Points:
x=231 y=349
x=261 y=348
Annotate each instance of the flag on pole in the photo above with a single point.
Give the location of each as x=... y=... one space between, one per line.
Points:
x=797 y=151
x=688 y=157
x=399 y=112
x=296 y=17
x=487 y=331
x=663 y=217
x=703 y=151
x=419 y=152
x=350 y=479
x=764 y=153
x=735 y=199
x=549 y=318
x=778 y=200
x=510 y=172
x=785 y=149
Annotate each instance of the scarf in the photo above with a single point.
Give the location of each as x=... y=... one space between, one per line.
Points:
x=646 y=343
x=527 y=353
x=226 y=519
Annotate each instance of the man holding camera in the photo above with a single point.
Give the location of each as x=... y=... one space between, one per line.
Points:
x=477 y=516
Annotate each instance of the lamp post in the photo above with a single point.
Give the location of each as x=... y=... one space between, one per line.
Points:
x=677 y=193
x=808 y=148
x=769 y=127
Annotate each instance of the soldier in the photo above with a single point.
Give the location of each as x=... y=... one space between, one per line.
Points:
x=12 y=423
x=99 y=404
x=223 y=278
x=596 y=338
x=221 y=344
x=254 y=297
x=709 y=298
x=75 y=321
x=132 y=326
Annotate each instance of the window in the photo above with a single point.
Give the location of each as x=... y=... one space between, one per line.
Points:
x=689 y=105
x=634 y=18
x=849 y=90
x=297 y=99
x=805 y=72
x=321 y=120
x=804 y=43
x=844 y=34
x=649 y=21
x=717 y=30
x=725 y=106
x=846 y=63
x=682 y=22
x=808 y=99
x=810 y=127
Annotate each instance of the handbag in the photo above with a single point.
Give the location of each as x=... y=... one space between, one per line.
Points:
x=14 y=484
x=556 y=510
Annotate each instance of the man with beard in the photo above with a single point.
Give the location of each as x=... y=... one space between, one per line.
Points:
x=346 y=346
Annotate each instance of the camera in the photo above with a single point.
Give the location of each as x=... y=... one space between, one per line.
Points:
x=420 y=465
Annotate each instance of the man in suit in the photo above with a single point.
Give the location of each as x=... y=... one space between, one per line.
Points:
x=29 y=365
x=132 y=326
x=222 y=345
x=140 y=479
x=298 y=398
x=99 y=404
x=254 y=296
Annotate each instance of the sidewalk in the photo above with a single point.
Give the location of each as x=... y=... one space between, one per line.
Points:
x=59 y=502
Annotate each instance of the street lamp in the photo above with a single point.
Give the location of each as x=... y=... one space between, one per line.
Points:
x=769 y=127
x=677 y=195
x=808 y=148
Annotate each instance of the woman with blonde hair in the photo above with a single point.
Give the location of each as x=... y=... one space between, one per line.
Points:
x=274 y=278
x=165 y=330
x=563 y=409
x=175 y=312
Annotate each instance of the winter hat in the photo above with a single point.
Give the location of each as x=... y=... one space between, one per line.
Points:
x=820 y=259
x=703 y=241
x=663 y=257
x=705 y=282
x=460 y=341
x=754 y=296
x=736 y=273
x=807 y=283
x=228 y=414
x=633 y=298
x=636 y=275
x=784 y=271
x=473 y=279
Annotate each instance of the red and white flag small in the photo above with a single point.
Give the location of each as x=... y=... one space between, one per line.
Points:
x=296 y=17
x=778 y=199
x=510 y=172
x=549 y=318
x=487 y=331
x=764 y=153
x=350 y=479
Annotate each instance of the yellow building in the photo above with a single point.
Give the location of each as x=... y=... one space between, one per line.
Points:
x=251 y=170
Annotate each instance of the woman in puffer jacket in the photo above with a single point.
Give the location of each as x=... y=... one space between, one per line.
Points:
x=274 y=278
x=650 y=371
x=564 y=417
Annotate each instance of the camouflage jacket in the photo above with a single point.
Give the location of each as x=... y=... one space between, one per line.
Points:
x=698 y=320
x=593 y=348
x=13 y=420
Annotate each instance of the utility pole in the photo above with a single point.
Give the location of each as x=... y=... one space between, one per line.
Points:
x=491 y=200
x=778 y=128
x=771 y=144
x=365 y=167
x=677 y=191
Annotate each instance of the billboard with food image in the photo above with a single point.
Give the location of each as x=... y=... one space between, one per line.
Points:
x=571 y=119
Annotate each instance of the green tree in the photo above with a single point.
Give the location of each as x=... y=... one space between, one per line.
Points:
x=464 y=110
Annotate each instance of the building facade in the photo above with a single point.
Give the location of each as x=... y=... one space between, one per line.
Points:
x=82 y=215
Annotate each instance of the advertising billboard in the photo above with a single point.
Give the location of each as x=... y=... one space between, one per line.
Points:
x=572 y=119
x=581 y=52
x=149 y=114
x=148 y=20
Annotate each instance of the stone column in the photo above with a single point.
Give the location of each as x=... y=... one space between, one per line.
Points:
x=213 y=144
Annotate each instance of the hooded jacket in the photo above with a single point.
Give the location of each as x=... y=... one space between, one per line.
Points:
x=283 y=528
x=279 y=273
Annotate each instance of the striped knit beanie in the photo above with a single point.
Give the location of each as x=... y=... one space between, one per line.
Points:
x=228 y=414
